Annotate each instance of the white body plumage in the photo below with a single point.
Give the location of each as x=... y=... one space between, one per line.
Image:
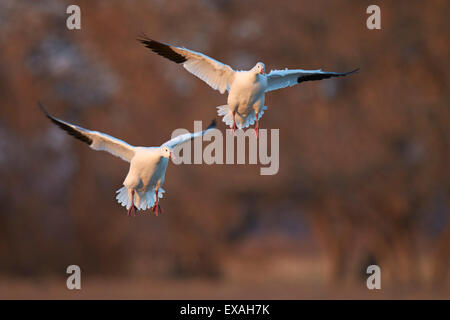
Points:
x=146 y=174
x=143 y=184
x=246 y=97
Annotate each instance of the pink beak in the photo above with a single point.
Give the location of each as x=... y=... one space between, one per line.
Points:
x=263 y=71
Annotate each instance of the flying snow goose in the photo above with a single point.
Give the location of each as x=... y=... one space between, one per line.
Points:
x=246 y=89
x=143 y=183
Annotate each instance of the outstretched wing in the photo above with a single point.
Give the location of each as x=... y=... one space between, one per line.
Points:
x=96 y=140
x=278 y=79
x=217 y=75
x=187 y=136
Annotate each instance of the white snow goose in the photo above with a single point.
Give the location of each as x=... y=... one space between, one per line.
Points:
x=143 y=183
x=246 y=89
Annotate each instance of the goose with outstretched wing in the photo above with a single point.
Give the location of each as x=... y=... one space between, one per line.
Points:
x=142 y=187
x=246 y=89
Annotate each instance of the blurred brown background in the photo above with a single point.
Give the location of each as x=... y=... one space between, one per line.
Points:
x=364 y=160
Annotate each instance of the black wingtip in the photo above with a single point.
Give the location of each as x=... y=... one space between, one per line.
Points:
x=321 y=76
x=353 y=71
x=44 y=111
x=212 y=125
x=143 y=38
x=77 y=134
x=162 y=49
x=42 y=108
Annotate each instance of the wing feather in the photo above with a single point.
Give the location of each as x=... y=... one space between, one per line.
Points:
x=217 y=75
x=172 y=143
x=278 y=79
x=96 y=140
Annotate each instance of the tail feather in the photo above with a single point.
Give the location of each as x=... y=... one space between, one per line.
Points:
x=123 y=197
x=142 y=200
x=251 y=118
x=226 y=113
x=241 y=122
x=261 y=112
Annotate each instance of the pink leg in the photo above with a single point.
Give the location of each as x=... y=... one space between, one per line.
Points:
x=133 y=207
x=257 y=125
x=156 y=207
x=233 y=128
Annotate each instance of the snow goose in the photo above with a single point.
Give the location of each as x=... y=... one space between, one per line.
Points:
x=143 y=183
x=246 y=89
